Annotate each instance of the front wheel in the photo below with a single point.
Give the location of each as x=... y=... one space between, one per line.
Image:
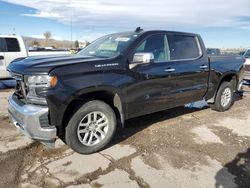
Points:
x=224 y=97
x=91 y=128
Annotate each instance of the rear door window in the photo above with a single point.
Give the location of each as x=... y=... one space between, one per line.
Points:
x=12 y=45
x=183 y=47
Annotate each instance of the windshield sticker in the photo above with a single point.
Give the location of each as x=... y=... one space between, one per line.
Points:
x=122 y=39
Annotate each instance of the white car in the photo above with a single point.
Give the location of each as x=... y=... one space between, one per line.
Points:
x=247 y=64
x=13 y=47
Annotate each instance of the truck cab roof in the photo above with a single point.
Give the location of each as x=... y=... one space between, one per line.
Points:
x=10 y=36
x=155 y=31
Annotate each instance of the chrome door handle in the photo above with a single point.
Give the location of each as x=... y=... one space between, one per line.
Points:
x=203 y=67
x=169 y=70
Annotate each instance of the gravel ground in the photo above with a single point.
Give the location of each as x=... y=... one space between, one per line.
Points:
x=180 y=147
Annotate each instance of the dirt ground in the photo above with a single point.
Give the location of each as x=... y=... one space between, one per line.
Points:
x=180 y=147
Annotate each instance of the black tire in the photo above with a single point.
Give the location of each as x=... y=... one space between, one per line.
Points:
x=71 y=134
x=218 y=102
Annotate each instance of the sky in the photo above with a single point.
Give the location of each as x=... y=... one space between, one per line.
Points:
x=221 y=23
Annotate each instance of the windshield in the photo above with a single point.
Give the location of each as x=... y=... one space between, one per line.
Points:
x=109 y=46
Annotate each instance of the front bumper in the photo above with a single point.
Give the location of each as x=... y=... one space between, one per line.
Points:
x=31 y=121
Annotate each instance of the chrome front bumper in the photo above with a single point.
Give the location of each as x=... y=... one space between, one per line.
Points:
x=29 y=119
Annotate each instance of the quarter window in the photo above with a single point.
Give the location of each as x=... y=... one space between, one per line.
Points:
x=183 y=47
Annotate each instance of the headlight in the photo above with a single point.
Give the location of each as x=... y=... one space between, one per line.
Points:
x=37 y=84
x=41 y=81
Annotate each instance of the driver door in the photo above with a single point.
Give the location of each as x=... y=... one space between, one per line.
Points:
x=152 y=88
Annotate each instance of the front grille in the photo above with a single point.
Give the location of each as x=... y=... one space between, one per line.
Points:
x=20 y=89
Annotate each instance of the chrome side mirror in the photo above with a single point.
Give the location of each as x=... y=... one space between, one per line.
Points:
x=143 y=58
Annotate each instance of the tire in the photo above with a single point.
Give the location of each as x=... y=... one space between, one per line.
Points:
x=85 y=123
x=223 y=103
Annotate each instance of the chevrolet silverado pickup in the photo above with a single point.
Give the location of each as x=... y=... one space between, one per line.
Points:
x=83 y=98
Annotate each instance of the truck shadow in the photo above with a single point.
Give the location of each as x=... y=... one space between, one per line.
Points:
x=138 y=124
x=239 y=167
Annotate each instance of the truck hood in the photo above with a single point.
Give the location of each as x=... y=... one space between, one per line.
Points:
x=44 y=64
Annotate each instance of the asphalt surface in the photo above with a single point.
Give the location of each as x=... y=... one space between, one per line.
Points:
x=181 y=147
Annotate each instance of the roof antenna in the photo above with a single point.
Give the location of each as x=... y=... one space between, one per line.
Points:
x=138 y=29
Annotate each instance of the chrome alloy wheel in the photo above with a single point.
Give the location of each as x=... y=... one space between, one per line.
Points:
x=93 y=128
x=226 y=97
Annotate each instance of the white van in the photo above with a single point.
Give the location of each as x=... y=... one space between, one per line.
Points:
x=11 y=48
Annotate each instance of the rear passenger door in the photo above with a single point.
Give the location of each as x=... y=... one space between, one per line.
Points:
x=190 y=68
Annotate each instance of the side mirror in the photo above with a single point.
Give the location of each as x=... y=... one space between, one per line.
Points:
x=143 y=58
x=1 y=57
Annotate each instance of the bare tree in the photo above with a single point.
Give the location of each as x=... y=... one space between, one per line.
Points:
x=47 y=35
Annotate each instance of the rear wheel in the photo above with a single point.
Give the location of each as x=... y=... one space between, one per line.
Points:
x=224 y=97
x=91 y=128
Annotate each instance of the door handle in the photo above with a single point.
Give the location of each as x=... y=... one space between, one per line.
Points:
x=203 y=67
x=169 y=70
x=1 y=57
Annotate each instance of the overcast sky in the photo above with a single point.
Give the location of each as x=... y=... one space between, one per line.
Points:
x=222 y=23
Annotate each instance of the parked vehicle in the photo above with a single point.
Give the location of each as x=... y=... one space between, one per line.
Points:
x=241 y=53
x=247 y=65
x=83 y=98
x=213 y=51
x=13 y=47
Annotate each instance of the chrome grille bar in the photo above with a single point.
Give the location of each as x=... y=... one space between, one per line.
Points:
x=20 y=86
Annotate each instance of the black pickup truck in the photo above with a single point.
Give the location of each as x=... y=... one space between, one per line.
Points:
x=82 y=98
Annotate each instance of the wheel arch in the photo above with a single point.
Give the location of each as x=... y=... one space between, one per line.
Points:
x=111 y=97
x=229 y=77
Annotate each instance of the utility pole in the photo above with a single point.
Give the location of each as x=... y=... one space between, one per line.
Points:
x=71 y=31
